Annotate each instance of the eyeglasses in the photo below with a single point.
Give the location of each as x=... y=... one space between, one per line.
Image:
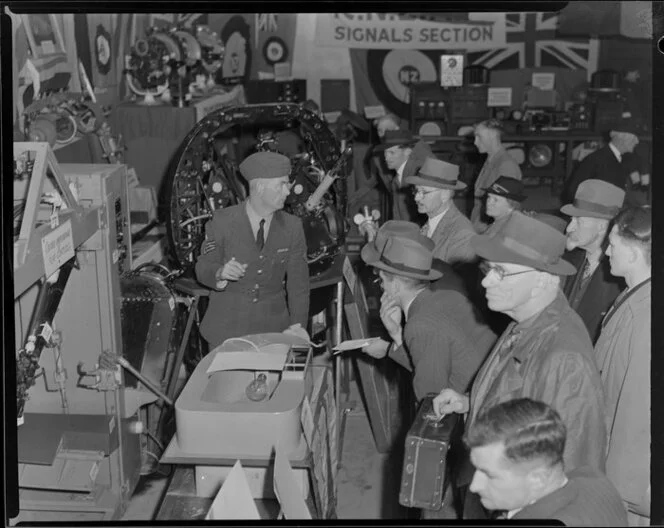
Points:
x=420 y=191
x=486 y=268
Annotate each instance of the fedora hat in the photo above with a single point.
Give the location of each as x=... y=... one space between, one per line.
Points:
x=527 y=241
x=437 y=173
x=408 y=254
x=393 y=138
x=507 y=188
x=596 y=199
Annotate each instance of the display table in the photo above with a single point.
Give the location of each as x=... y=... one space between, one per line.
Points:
x=153 y=134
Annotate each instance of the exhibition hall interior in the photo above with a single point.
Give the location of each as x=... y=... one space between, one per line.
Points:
x=331 y=266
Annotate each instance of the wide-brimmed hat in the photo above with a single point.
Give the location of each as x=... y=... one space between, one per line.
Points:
x=527 y=241
x=407 y=253
x=596 y=199
x=437 y=173
x=507 y=188
x=393 y=138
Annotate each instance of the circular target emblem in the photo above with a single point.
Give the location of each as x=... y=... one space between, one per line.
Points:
x=103 y=50
x=275 y=50
x=393 y=72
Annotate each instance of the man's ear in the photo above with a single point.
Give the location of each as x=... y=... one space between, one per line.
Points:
x=538 y=477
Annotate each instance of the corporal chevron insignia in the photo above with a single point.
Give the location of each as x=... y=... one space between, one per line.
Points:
x=532 y=42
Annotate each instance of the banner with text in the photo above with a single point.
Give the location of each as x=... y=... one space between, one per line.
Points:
x=392 y=31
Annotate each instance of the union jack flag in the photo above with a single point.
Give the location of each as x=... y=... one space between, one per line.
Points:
x=532 y=42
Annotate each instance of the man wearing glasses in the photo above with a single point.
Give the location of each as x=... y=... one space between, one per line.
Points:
x=544 y=354
x=434 y=186
x=254 y=258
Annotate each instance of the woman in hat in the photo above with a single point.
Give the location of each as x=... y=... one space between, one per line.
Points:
x=623 y=357
x=502 y=198
x=488 y=140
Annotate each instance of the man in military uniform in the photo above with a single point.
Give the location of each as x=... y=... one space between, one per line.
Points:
x=254 y=258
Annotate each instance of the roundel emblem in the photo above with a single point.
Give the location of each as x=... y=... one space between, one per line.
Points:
x=275 y=50
x=393 y=72
x=103 y=50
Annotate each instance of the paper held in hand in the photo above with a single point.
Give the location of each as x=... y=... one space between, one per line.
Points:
x=354 y=344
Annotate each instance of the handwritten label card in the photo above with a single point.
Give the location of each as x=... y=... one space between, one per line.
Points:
x=57 y=248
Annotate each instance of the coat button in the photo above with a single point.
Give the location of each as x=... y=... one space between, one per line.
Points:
x=255 y=300
x=259 y=271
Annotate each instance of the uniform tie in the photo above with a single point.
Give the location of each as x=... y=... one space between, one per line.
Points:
x=260 y=236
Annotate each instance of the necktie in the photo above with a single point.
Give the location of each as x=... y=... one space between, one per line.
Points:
x=260 y=236
x=425 y=229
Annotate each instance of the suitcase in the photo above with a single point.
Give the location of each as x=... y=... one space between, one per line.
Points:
x=424 y=476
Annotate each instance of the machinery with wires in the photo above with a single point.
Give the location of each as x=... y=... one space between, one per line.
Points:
x=79 y=442
x=205 y=177
x=173 y=62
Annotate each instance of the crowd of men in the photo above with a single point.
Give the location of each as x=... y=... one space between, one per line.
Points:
x=556 y=397
x=557 y=402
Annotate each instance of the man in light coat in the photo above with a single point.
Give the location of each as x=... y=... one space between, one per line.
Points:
x=623 y=356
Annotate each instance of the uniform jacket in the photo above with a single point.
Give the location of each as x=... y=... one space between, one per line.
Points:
x=599 y=295
x=588 y=499
x=444 y=342
x=273 y=294
x=500 y=164
x=452 y=238
x=551 y=360
x=599 y=165
x=623 y=357
x=403 y=203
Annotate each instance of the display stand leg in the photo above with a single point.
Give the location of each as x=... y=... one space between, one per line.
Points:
x=342 y=373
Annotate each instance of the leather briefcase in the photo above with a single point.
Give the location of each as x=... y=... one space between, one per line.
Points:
x=424 y=476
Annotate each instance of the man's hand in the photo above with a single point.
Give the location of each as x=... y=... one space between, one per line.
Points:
x=232 y=271
x=377 y=349
x=391 y=315
x=449 y=401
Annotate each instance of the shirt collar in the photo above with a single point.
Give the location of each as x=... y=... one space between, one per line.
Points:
x=616 y=152
x=255 y=218
x=435 y=220
x=406 y=308
x=400 y=169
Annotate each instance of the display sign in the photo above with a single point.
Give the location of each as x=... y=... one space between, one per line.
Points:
x=395 y=31
x=451 y=70
x=57 y=248
x=544 y=81
x=499 y=97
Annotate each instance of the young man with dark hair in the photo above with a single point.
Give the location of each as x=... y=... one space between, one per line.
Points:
x=517 y=450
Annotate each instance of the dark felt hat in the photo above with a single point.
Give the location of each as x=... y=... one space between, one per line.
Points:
x=265 y=165
x=393 y=138
x=625 y=124
x=508 y=188
x=437 y=173
x=527 y=241
x=402 y=251
x=596 y=199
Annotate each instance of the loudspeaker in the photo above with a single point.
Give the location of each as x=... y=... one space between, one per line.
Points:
x=428 y=109
x=539 y=159
x=268 y=91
